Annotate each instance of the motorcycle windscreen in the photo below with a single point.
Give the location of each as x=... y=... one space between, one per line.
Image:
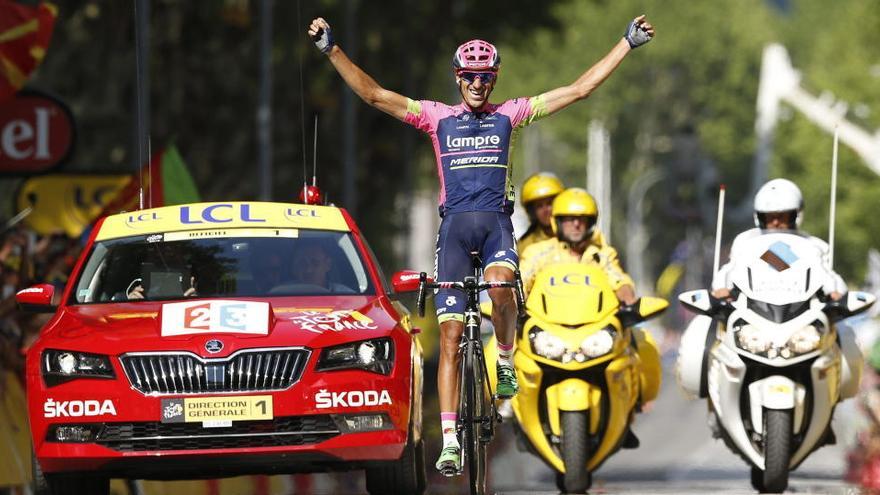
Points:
x=779 y=269
x=571 y=294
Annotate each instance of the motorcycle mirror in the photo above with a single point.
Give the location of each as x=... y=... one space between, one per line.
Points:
x=853 y=303
x=698 y=301
x=650 y=307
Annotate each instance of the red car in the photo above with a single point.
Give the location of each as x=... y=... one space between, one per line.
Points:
x=220 y=339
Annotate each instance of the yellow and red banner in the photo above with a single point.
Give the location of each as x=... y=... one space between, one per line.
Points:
x=67 y=203
x=24 y=37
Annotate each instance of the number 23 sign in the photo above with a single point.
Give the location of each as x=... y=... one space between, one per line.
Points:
x=204 y=317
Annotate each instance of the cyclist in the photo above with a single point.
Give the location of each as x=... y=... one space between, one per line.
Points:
x=779 y=205
x=472 y=148
x=537 y=196
x=577 y=241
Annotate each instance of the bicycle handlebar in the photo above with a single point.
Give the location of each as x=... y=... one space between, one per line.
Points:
x=470 y=284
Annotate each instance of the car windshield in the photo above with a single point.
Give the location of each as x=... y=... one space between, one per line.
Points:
x=231 y=263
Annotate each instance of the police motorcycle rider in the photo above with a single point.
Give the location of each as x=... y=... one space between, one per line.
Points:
x=476 y=196
x=778 y=206
x=536 y=197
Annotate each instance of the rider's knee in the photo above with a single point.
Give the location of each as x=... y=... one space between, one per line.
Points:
x=450 y=335
x=498 y=273
x=501 y=297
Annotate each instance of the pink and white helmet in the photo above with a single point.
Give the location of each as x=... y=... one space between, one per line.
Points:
x=476 y=55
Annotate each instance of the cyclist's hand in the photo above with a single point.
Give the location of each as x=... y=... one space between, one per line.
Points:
x=638 y=32
x=321 y=34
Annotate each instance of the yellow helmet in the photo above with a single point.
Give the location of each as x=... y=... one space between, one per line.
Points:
x=574 y=201
x=539 y=186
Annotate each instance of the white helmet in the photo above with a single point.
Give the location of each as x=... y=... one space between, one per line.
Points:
x=778 y=195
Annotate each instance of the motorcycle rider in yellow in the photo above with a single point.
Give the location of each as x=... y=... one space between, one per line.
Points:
x=538 y=193
x=577 y=240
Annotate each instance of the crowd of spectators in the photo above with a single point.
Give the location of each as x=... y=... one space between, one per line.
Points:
x=27 y=258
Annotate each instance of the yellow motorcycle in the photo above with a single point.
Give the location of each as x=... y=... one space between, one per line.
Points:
x=582 y=370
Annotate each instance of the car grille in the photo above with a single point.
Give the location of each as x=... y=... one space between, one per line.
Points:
x=249 y=370
x=279 y=432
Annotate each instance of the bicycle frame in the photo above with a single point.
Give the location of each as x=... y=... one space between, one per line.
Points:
x=477 y=413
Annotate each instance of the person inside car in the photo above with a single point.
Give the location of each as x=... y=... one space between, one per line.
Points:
x=313 y=265
x=162 y=275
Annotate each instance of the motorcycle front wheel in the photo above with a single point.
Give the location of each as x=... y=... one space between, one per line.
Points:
x=777 y=452
x=575 y=453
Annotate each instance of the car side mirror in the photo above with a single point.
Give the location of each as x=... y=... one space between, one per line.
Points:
x=405 y=281
x=36 y=299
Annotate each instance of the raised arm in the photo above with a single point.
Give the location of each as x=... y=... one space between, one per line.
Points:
x=638 y=32
x=359 y=81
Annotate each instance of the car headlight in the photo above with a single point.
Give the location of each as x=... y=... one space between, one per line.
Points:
x=375 y=355
x=600 y=343
x=804 y=340
x=62 y=366
x=547 y=345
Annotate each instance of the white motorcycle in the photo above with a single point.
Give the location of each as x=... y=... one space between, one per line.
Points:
x=775 y=365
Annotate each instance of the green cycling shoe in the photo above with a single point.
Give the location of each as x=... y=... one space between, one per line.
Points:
x=507 y=385
x=449 y=463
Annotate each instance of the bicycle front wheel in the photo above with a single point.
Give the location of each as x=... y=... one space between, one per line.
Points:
x=475 y=412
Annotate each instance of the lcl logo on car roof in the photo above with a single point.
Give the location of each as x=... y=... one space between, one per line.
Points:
x=213 y=346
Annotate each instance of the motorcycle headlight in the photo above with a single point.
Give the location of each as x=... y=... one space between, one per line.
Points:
x=753 y=339
x=804 y=340
x=62 y=366
x=546 y=344
x=375 y=355
x=600 y=343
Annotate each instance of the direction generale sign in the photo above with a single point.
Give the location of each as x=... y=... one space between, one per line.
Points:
x=36 y=133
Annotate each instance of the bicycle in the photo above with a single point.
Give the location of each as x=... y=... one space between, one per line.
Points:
x=477 y=414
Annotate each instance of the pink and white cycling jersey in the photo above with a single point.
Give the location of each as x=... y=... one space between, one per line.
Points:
x=473 y=149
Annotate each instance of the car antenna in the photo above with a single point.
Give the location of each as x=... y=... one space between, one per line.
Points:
x=310 y=195
x=717 y=258
x=833 y=212
x=302 y=113
x=141 y=40
x=315 y=156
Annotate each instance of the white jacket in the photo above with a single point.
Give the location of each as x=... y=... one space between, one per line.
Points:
x=722 y=278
